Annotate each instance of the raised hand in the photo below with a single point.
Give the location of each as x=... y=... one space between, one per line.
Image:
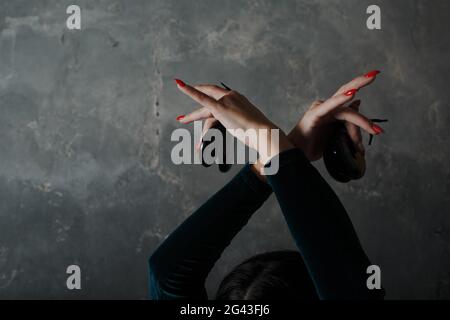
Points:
x=238 y=115
x=314 y=129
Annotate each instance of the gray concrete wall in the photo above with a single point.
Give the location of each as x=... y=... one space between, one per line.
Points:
x=86 y=118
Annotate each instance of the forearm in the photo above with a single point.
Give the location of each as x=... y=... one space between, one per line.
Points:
x=181 y=264
x=321 y=229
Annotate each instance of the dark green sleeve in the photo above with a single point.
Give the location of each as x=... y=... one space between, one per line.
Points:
x=180 y=265
x=321 y=229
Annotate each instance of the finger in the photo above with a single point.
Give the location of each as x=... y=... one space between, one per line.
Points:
x=199 y=114
x=359 y=82
x=354 y=131
x=198 y=96
x=334 y=102
x=352 y=116
x=316 y=104
x=212 y=90
x=209 y=123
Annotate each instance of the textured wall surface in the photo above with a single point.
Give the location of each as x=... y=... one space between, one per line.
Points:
x=86 y=118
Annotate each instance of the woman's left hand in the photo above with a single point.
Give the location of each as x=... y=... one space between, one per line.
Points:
x=239 y=116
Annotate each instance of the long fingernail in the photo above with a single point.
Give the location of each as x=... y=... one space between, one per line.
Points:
x=180 y=83
x=372 y=74
x=351 y=92
x=377 y=129
x=180 y=118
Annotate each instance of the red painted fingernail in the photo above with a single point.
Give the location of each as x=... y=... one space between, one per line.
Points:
x=372 y=74
x=180 y=118
x=377 y=129
x=351 y=92
x=180 y=83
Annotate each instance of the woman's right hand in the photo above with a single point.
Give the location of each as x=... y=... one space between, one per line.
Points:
x=316 y=126
x=238 y=115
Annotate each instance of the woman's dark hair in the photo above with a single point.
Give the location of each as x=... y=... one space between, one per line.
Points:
x=279 y=275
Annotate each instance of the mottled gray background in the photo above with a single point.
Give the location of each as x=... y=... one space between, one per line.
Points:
x=86 y=118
